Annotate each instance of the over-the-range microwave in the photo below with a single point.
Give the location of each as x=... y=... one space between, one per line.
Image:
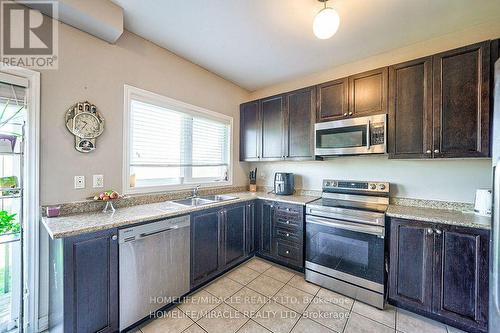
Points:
x=354 y=136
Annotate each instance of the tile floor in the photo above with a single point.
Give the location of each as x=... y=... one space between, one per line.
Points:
x=262 y=297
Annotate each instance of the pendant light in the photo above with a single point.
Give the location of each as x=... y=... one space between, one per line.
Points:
x=326 y=23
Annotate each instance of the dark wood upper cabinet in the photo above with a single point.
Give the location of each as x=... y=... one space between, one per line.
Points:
x=273 y=112
x=333 y=100
x=462 y=102
x=410 y=109
x=249 y=131
x=299 y=124
x=410 y=273
x=461 y=275
x=368 y=93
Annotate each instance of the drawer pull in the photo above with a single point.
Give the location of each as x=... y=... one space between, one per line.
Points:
x=287 y=222
x=287 y=252
x=287 y=235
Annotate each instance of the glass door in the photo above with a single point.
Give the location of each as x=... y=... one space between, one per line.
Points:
x=12 y=119
x=352 y=249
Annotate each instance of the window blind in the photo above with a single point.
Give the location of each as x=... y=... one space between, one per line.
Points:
x=167 y=139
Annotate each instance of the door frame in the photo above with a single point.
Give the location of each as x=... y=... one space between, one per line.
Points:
x=32 y=198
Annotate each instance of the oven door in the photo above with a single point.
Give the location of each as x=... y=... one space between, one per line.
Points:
x=364 y=135
x=348 y=251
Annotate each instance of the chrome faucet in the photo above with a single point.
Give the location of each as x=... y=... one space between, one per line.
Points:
x=195 y=191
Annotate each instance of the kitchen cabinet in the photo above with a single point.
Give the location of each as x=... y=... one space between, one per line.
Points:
x=218 y=241
x=84 y=283
x=439 y=106
x=279 y=127
x=251 y=243
x=206 y=251
x=333 y=100
x=250 y=131
x=281 y=233
x=299 y=124
x=368 y=93
x=440 y=271
x=410 y=109
x=272 y=113
x=461 y=102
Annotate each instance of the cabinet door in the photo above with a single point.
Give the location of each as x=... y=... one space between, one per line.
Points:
x=462 y=102
x=205 y=245
x=250 y=228
x=461 y=275
x=265 y=218
x=249 y=131
x=272 y=110
x=234 y=234
x=410 y=109
x=91 y=283
x=299 y=129
x=332 y=100
x=368 y=93
x=410 y=272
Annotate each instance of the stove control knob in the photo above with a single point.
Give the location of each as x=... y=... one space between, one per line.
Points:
x=381 y=187
x=328 y=184
x=373 y=186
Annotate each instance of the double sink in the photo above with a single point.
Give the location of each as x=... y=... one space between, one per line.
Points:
x=203 y=200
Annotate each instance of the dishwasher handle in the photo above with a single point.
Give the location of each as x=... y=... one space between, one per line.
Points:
x=148 y=230
x=147 y=234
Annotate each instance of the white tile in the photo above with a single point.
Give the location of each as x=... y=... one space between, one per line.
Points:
x=222 y=319
x=242 y=275
x=386 y=316
x=327 y=314
x=223 y=287
x=253 y=327
x=199 y=304
x=308 y=326
x=293 y=298
x=258 y=265
x=452 y=329
x=408 y=322
x=276 y=317
x=266 y=285
x=247 y=301
x=173 y=321
x=194 y=329
x=359 y=324
x=299 y=282
x=279 y=273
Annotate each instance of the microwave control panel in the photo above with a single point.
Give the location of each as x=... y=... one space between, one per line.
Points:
x=377 y=134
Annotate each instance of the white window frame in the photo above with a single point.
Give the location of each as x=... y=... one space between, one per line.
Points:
x=131 y=92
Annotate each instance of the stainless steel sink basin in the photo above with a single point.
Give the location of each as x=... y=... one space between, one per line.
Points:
x=193 y=202
x=219 y=198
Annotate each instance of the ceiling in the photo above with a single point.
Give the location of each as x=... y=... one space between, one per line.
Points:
x=258 y=43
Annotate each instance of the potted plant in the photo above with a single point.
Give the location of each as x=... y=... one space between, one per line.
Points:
x=7 y=224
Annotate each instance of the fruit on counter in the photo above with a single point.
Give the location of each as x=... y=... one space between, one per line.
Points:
x=107 y=195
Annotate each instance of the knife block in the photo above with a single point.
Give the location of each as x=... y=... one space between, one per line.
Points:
x=253 y=188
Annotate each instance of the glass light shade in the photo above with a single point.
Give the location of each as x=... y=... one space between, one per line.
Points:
x=326 y=23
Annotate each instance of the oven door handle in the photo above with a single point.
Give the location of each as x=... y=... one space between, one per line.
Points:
x=365 y=229
x=368 y=143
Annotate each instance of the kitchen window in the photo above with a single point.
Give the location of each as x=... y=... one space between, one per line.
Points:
x=173 y=145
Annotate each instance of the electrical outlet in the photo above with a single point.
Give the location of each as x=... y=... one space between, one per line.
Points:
x=79 y=182
x=98 y=181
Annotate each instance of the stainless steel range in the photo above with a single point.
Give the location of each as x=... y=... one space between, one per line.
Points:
x=345 y=239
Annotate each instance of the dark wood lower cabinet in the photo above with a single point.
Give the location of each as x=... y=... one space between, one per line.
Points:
x=440 y=271
x=234 y=234
x=281 y=233
x=84 y=283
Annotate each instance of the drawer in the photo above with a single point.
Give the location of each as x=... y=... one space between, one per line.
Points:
x=289 y=252
x=290 y=235
x=292 y=211
x=284 y=221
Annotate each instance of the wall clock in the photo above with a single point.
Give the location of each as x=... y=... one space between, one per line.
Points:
x=86 y=124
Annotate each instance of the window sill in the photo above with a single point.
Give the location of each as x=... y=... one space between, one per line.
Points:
x=172 y=188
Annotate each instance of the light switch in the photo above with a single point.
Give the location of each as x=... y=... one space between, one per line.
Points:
x=98 y=181
x=79 y=182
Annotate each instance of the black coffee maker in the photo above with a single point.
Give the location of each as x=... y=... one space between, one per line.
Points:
x=284 y=183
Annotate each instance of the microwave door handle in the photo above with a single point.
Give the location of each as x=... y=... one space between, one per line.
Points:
x=371 y=230
x=368 y=134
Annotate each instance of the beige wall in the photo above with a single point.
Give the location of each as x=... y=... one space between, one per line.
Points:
x=453 y=180
x=91 y=69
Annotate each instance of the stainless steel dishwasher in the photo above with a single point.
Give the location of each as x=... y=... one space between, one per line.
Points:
x=154 y=267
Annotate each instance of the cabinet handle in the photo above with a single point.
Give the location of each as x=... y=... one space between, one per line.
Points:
x=430 y=231
x=287 y=252
x=428 y=151
x=287 y=235
x=114 y=237
x=350 y=113
x=436 y=151
x=287 y=222
x=345 y=114
x=438 y=232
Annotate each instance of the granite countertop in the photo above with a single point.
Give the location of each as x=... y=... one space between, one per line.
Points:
x=435 y=215
x=72 y=225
